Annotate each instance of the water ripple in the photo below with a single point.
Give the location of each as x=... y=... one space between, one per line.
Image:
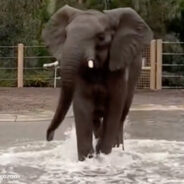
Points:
x=143 y=162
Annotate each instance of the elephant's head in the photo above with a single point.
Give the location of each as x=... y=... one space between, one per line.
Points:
x=74 y=37
x=78 y=38
x=92 y=38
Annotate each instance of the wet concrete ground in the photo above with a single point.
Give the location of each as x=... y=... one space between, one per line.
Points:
x=154 y=153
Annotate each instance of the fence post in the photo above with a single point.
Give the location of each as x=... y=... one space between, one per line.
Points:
x=20 y=64
x=159 y=65
x=153 y=65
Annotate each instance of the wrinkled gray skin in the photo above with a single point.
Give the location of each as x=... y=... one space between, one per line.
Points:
x=101 y=95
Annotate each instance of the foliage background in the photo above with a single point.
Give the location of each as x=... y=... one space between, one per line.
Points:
x=21 y=21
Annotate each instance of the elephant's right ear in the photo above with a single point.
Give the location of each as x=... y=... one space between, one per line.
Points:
x=54 y=33
x=131 y=35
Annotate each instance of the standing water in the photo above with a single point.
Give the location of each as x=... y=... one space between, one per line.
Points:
x=147 y=159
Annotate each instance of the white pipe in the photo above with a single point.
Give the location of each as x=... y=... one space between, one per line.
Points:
x=48 y=65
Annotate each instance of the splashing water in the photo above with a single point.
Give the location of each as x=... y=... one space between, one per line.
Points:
x=142 y=162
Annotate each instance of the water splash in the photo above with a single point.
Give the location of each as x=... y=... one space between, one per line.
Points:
x=143 y=162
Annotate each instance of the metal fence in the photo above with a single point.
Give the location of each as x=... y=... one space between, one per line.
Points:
x=145 y=77
x=8 y=66
x=34 y=73
x=173 y=65
x=23 y=67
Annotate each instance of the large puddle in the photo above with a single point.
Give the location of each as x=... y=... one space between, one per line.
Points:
x=142 y=162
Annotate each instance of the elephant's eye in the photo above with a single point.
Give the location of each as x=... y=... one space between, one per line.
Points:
x=101 y=36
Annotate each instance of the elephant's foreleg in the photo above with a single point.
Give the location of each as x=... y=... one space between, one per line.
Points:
x=120 y=137
x=110 y=127
x=134 y=72
x=112 y=117
x=83 y=110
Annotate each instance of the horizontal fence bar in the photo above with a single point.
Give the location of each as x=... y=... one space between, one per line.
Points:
x=38 y=57
x=165 y=42
x=8 y=79
x=32 y=75
x=8 y=68
x=8 y=57
x=29 y=46
x=172 y=64
x=172 y=54
x=36 y=46
x=8 y=46
x=29 y=79
x=35 y=68
x=173 y=87
x=175 y=76
x=26 y=46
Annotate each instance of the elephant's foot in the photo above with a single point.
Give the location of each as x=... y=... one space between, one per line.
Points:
x=50 y=135
x=82 y=155
x=118 y=144
x=103 y=148
x=119 y=141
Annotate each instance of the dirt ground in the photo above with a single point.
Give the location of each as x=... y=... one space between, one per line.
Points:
x=14 y=100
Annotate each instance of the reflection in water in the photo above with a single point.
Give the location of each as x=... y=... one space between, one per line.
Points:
x=143 y=162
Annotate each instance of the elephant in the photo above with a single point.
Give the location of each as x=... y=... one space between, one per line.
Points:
x=100 y=62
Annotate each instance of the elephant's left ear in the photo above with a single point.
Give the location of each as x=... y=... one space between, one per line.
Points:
x=54 y=33
x=131 y=35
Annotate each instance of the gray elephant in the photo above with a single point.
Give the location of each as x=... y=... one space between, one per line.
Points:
x=100 y=61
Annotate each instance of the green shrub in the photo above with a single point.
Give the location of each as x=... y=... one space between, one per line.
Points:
x=38 y=79
x=8 y=78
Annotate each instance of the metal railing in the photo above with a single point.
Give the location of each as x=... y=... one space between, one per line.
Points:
x=173 y=65
x=56 y=67
x=17 y=68
x=27 y=66
x=8 y=67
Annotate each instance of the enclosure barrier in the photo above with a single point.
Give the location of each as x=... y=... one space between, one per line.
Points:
x=151 y=74
x=173 y=65
x=151 y=66
x=159 y=65
x=20 y=82
x=8 y=65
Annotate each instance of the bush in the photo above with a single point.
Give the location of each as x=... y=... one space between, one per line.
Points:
x=38 y=79
x=8 y=78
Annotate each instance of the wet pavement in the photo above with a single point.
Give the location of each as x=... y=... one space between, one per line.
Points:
x=154 y=152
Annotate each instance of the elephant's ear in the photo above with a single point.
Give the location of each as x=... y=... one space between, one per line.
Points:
x=54 y=33
x=131 y=35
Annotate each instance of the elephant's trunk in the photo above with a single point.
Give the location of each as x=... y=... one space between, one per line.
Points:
x=69 y=67
x=65 y=100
